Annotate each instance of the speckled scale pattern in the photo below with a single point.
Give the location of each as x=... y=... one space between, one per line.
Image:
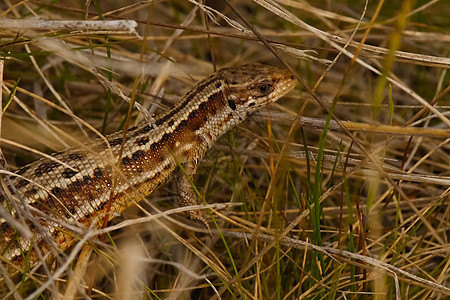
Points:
x=83 y=185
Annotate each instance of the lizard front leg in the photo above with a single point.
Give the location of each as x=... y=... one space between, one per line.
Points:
x=187 y=195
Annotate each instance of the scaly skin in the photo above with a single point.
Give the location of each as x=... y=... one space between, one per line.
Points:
x=81 y=186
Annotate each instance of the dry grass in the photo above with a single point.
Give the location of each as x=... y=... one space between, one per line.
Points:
x=329 y=209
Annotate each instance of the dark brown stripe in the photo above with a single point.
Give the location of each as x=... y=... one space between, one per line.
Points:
x=138 y=155
x=125 y=161
x=192 y=114
x=194 y=92
x=115 y=142
x=31 y=192
x=180 y=126
x=21 y=183
x=56 y=191
x=87 y=180
x=22 y=170
x=76 y=156
x=144 y=130
x=164 y=138
x=5 y=227
x=196 y=119
x=142 y=141
x=88 y=187
x=98 y=172
x=68 y=173
x=46 y=167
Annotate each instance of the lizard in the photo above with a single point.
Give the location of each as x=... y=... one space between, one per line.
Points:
x=77 y=186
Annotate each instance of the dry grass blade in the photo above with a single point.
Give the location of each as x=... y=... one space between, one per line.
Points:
x=340 y=190
x=127 y=26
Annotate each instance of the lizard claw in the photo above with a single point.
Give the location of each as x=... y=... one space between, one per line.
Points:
x=201 y=216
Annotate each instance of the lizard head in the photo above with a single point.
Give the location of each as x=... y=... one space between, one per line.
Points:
x=252 y=86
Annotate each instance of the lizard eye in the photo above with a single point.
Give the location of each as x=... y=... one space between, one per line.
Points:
x=264 y=87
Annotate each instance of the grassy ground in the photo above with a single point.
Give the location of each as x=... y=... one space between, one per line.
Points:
x=343 y=185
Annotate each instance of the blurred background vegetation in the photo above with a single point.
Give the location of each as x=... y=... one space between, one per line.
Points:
x=378 y=189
